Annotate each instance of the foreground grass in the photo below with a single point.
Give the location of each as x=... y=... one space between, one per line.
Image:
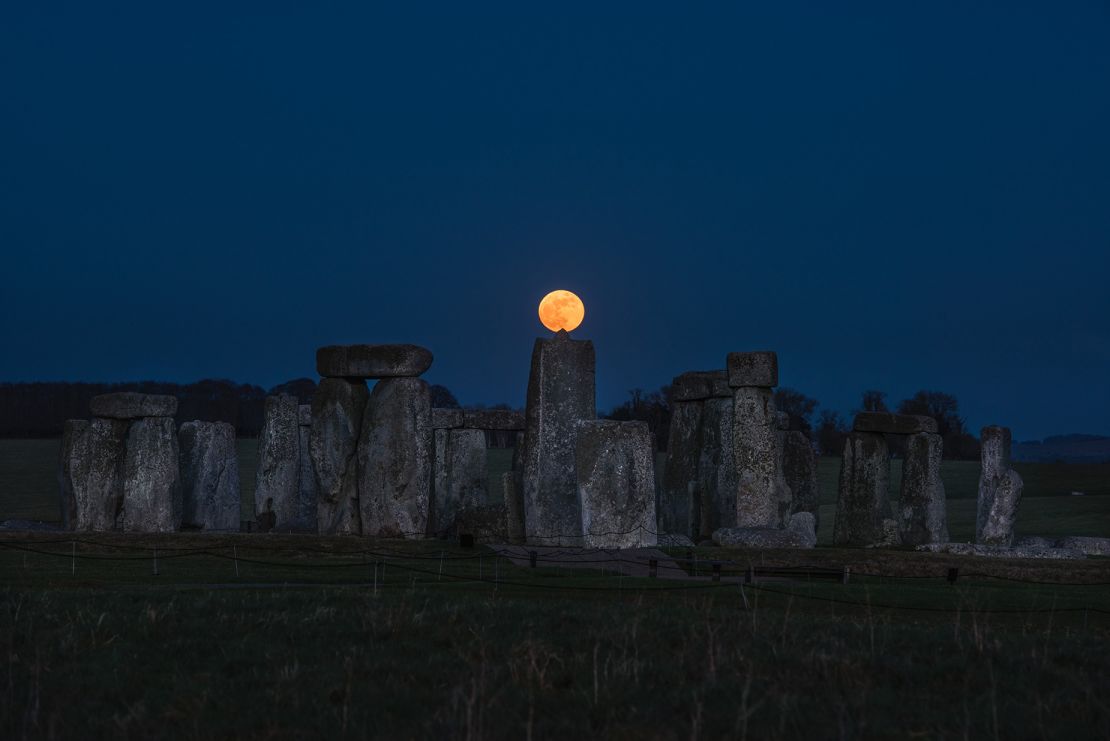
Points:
x=300 y=644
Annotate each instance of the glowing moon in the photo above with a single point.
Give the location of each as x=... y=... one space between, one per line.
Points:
x=561 y=310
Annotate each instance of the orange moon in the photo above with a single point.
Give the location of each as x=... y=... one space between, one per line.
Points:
x=561 y=310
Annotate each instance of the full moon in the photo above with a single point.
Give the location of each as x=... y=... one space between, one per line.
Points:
x=561 y=310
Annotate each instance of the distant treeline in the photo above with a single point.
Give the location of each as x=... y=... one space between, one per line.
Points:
x=40 y=409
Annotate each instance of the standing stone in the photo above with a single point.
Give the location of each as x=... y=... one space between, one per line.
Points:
x=922 y=506
x=512 y=484
x=863 y=515
x=151 y=478
x=680 y=496
x=306 y=485
x=717 y=480
x=560 y=396
x=616 y=484
x=95 y=472
x=999 y=489
x=277 y=484
x=799 y=468
x=338 y=407
x=73 y=443
x=762 y=496
x=209 y=476
x=395 y=459
x=460 y=475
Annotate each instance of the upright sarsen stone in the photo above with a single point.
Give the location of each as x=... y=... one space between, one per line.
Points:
x=560 y=396
x=306 y=487
x=277 y=483
x=762 y=496
x=209 y=476
x=799 y=468
x=338 y=407
x=863 y=514
x=616 y=484
x=95 y=472
x=680 y=496
x=1000 y=489
x=395 y=459
x=922 y=508
x=73 y=444
x=460 y=475
x=717 y=480
x=151 y=477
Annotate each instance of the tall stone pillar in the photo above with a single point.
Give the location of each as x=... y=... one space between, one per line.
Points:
x=395 y=459
x=337 y=409
x=210 y=493
x=863 y=515
x=1000 y=489
x=922 y=507
x=278 y=478
x=762 y=496
x=680 y=496
x=799 y=467
x=459 y=475
x=560 y=396
x=717 y=480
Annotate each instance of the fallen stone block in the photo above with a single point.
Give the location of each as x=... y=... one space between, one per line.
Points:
x=1088 y=545
x=753 y=369
x=1001 y=551
x=132 y=405
x=372 y=361
x=800 y=533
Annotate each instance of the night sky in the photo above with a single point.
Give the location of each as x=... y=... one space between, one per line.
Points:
x=891 y=198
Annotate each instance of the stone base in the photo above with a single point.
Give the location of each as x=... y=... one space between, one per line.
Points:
x=1001 y=551
x=799 y=534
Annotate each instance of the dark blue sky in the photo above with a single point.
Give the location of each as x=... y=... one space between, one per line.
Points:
x=891 y=197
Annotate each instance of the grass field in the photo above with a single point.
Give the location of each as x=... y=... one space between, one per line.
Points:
x=286 y=637
x=29 y=489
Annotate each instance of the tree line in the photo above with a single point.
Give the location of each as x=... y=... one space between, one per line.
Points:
x=827 y=429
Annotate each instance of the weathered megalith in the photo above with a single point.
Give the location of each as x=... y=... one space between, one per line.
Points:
x=560 y=396
x=759 y=369
x=395 y=459
x=460 y=475
x=680 y=495
x=278 y=480
x=762 y=496
x=336 y=414
x=151 y=477
x=512 y=485
x=922 y=507
x=616 y=484
x=800 y=532
x=73 y=442
x=93 y=470
x=306 y=486
x=372 y=361
x=132 y=405
x=863 y=513
x=999 y=489
x=717 y=480
x=209 y=473
x=799 y=468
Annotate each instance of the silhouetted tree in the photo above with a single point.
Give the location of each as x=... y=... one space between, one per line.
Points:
x=302 y=388
x=799 y=406
x=442 y=398
x=874 y=401
x=831 y=431
x=651 y=407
